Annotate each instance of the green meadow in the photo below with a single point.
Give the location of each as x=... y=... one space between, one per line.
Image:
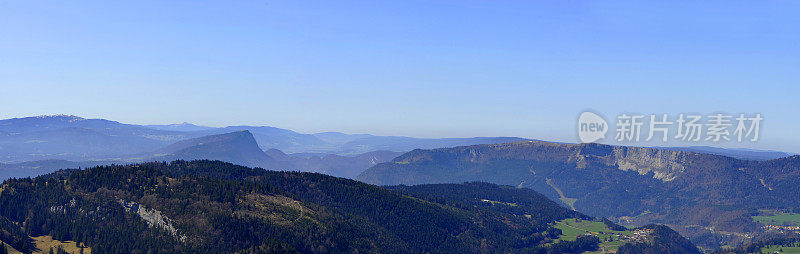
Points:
x=572 y=228
x=771 y=217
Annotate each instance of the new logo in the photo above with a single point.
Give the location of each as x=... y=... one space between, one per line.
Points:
x=591 y=127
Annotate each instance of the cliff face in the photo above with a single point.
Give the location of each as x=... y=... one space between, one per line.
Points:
x=664 y=165
x=152 y=217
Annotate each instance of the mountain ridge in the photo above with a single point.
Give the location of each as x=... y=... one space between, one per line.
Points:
x=637 y=184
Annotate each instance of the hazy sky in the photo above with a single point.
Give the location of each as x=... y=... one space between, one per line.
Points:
x=416 y=68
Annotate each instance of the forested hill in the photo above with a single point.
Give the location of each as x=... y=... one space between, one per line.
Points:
x=703 y=196
x=212 y=206
x=664 y=240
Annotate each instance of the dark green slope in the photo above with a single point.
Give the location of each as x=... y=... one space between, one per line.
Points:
x=478 y=195
x=212 y=206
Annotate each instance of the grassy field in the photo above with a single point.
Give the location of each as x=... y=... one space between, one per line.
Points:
x=572 y=228
x=769 y=217
x=44 y=243
x=778 y=248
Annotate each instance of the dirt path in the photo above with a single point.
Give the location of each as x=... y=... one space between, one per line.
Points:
x=300 y=207
x=561 y=194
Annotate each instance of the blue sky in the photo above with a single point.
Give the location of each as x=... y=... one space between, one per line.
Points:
x=415 y=68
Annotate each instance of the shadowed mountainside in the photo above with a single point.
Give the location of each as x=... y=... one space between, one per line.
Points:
x=703 y=193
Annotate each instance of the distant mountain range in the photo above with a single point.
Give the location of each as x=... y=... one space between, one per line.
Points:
x=239 y=147
x=74 y=138
x=707 y=197
x=32 y=146
x=738 y=153
x=36 y=168
x=67 y=137
x=179 y=127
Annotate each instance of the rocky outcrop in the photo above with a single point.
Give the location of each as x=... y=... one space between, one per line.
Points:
x=153 y=217
x=664 y=164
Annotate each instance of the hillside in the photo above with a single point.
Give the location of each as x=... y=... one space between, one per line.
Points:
x=709 y=197
x=211 y=206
